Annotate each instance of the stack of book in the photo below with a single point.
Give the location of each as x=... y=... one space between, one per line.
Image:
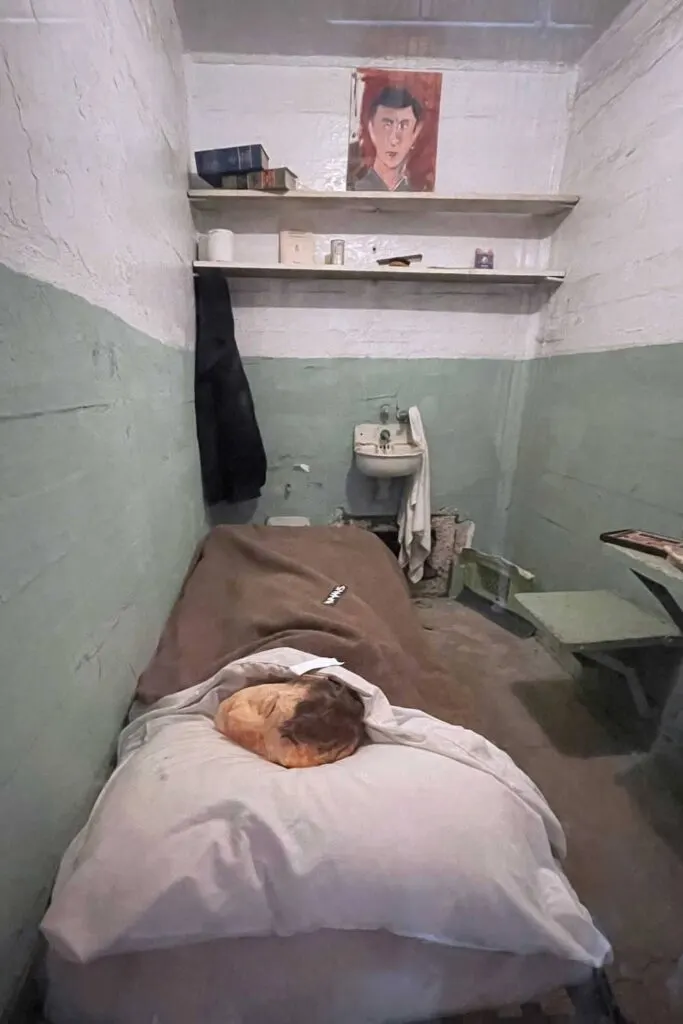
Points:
x=243 y=167
x=277 y=179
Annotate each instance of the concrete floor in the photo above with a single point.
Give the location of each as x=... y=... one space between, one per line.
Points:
x=585 y=749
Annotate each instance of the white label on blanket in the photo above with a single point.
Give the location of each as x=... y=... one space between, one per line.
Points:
x=303 y=668
x=336 y=594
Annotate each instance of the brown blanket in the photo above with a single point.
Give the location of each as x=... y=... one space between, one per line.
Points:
x=254 y=588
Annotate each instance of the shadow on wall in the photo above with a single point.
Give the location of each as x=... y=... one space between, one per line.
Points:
x=349 y=222
x=241 y=512
x=414 y=296
x=358 y=489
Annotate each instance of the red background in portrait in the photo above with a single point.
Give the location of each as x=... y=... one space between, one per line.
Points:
x=425 y=86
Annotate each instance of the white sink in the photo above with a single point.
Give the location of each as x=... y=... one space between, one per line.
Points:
x=385 y=450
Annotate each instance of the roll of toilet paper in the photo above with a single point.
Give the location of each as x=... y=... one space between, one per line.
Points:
x=220 y=246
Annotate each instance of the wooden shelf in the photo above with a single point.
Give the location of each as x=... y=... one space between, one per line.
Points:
x=374 y=273
x=389 y=202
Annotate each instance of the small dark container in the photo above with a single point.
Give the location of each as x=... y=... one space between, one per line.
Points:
x=483 y=259
x=212 y=164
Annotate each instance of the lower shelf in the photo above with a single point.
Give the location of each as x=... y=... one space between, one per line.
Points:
x=551 y=279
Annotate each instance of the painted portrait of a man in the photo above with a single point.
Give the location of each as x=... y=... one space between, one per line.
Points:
x=393 y=134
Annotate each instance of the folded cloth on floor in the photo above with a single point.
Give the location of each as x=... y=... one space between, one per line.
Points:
x=254 y=588
x=428 y=832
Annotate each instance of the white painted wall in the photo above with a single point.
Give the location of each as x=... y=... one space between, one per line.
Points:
x=612 y=454
x=503 y=129
x=622 y=246
x=100 y=501
x=92 y=191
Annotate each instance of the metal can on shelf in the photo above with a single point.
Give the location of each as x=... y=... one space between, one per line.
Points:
x=337 y=247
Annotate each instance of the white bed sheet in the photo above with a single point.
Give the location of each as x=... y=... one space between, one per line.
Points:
x=322 y=978
x=429 y=832
x=324 y=975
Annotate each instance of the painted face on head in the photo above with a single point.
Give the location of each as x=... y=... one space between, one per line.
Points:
x=256 y=717
x=393 y=133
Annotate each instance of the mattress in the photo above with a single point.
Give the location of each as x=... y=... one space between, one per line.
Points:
x=328 y=977
x=255 y=588
x=325 y=976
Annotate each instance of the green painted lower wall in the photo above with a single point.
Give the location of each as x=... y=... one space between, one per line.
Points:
x=601 y=448
x=100 y=509
x=307 y=410
x=543 y=455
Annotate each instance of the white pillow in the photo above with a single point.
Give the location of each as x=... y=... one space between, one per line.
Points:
x=194 y=838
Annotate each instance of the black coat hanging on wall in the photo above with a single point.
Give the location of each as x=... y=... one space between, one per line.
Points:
x=231 y=451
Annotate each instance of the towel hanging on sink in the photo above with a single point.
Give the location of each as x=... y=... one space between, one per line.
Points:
x=415 y=516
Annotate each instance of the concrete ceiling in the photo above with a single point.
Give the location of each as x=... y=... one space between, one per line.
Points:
x=552 y=30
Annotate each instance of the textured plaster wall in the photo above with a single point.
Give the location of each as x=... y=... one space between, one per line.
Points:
x=625 y=157
x=92 y=188
x=323 y=356
x=501 y=131
x=308 y=408
x=603 y=429
x=300 y=110
x=100 y=502
x=602 y=437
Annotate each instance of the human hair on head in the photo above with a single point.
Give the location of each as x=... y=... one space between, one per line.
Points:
x=329 y=718
x=396 y=97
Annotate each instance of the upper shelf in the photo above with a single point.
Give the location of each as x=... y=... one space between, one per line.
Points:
x=393 y=202
x=372 y=272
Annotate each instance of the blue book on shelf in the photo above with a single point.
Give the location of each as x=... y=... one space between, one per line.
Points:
x=212 y=164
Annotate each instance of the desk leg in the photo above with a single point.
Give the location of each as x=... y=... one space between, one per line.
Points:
x=630 y=675
x=670 y=735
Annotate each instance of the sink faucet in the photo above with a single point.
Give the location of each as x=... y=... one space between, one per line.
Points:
x=384 y=414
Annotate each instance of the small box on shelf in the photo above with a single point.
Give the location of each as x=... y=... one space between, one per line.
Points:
x=483 y=259
x=297 y=248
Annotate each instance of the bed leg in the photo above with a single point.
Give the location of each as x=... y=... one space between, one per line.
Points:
x=595 y=1003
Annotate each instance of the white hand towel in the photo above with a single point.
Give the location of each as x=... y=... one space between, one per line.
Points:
x=414 y=518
